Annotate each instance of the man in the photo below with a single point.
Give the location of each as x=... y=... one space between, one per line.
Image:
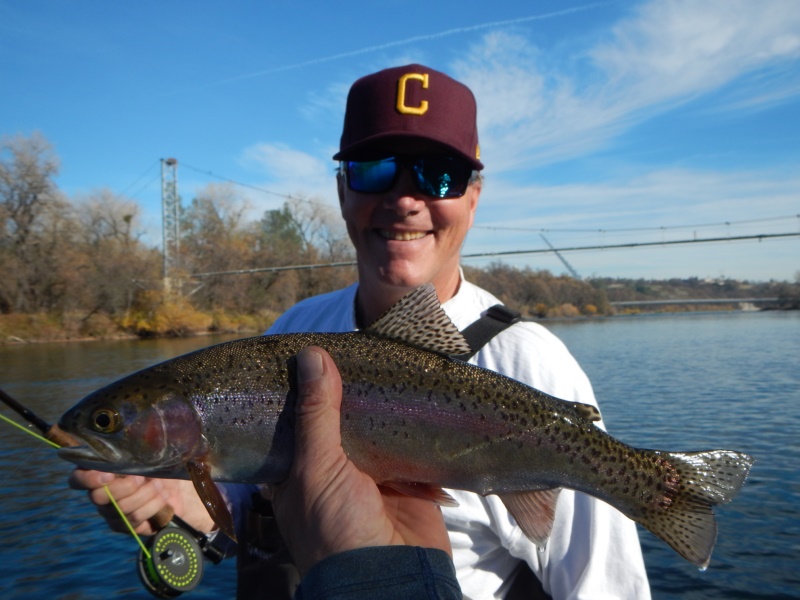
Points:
x=409 y=187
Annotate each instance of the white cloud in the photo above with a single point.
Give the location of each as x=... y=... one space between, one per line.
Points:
x=279 y=161
x=676 y=49
x=288 y=172
x=667 y=197
x=535 y=112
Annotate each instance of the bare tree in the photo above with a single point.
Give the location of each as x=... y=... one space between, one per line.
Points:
x=28 y=166
x=216 y=237
x=112 y=264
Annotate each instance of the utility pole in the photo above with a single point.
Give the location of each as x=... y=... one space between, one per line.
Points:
x=170 y=207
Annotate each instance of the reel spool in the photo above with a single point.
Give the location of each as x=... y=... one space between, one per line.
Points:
x=175 y=564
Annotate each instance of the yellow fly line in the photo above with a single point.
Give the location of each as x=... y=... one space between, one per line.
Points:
x=105 y=487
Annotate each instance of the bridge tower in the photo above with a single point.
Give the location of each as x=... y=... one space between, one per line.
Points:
x=170 y=207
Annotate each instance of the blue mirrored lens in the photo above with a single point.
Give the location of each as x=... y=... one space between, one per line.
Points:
x=442 y=176
x=372 y=177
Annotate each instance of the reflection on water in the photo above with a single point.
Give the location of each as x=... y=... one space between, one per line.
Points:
x=682 y=382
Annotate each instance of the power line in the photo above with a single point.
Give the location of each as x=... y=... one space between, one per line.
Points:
x=239 y=183
x=759 y=237
x=349 y=263
x=634 y=229
x=138 y=179
x=738 y=238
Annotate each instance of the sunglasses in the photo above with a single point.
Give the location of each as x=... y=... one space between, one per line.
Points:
x=434 y=175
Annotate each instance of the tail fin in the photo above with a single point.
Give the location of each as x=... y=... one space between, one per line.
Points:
x=705 y=480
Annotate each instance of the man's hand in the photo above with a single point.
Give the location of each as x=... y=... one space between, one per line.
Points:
x=140 y=498
x=327 y=505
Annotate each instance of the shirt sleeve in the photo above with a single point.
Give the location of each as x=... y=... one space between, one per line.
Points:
x=385 y=572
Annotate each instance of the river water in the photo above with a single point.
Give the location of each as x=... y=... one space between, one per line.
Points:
x=678 y=382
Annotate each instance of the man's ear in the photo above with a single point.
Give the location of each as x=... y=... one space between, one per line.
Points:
x=340 y=184
x=475 y=194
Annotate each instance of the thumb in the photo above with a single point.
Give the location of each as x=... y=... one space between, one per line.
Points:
x=317 y=434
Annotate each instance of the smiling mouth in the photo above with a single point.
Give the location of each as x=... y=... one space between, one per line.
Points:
x=402 y=236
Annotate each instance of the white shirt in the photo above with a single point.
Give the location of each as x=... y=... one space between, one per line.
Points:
x=594 y=550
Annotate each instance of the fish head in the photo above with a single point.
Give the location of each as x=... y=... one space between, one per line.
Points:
x=138 y=425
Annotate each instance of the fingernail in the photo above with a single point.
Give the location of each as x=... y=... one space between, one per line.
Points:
x=107 y=478
x=309 y=365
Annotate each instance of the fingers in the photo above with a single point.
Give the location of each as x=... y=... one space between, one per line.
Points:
x=139 y=508
x=81 y=479
x=139 y=498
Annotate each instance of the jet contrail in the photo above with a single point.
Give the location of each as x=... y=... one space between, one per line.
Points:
x=407 y=41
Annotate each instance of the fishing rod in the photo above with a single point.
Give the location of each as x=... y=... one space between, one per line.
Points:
x=170 y=562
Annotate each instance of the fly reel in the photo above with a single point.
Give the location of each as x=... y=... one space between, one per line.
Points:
x=175 y=561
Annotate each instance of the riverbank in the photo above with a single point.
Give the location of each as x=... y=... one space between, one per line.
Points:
x=40 y=328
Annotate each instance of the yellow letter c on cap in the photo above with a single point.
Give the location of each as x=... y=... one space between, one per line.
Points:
x=401 y=94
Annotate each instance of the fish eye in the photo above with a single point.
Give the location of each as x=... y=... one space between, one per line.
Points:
x=105 y=420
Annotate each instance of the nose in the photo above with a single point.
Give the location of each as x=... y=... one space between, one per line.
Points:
x=404 y=198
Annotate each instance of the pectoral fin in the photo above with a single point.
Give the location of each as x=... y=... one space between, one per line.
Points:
x=534 y=513
x=209 y=493
x=424 y=491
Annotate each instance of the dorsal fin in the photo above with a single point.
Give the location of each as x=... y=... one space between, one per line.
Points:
x=588 y=412
x=418 y=319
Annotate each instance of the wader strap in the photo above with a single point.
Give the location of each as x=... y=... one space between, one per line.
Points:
x=525 y=585
x=265 y=570
x=492 y=322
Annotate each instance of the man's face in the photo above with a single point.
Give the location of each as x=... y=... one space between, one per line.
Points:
x=404 y=238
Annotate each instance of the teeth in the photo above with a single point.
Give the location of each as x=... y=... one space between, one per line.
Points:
x=402 y=236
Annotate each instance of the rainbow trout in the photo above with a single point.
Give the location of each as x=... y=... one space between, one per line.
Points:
x=413 y=418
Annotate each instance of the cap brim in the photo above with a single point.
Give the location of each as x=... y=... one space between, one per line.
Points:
x=389 y=143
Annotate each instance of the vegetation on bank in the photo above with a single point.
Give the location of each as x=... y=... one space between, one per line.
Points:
x=78 y=268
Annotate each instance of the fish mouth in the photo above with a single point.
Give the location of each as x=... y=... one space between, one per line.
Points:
x=96 y=453
x=91 y=456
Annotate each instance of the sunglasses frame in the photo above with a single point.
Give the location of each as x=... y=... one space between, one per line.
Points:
x=413 y=163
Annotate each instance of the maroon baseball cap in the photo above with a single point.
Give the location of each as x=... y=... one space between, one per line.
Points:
x=397 y=108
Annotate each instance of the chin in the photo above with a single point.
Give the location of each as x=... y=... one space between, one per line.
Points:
x=402 y=280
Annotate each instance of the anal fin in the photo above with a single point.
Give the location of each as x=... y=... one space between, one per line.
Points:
x=534 y=512
x=211 y=497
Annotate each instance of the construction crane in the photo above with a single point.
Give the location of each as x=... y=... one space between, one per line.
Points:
x=572 y=271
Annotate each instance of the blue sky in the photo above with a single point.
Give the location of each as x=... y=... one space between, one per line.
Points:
x=601 y=123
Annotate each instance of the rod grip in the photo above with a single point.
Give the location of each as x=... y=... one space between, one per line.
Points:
x=58 y=436
x=162 y=518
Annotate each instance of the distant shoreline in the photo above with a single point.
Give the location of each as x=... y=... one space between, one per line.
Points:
x=10 y=339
